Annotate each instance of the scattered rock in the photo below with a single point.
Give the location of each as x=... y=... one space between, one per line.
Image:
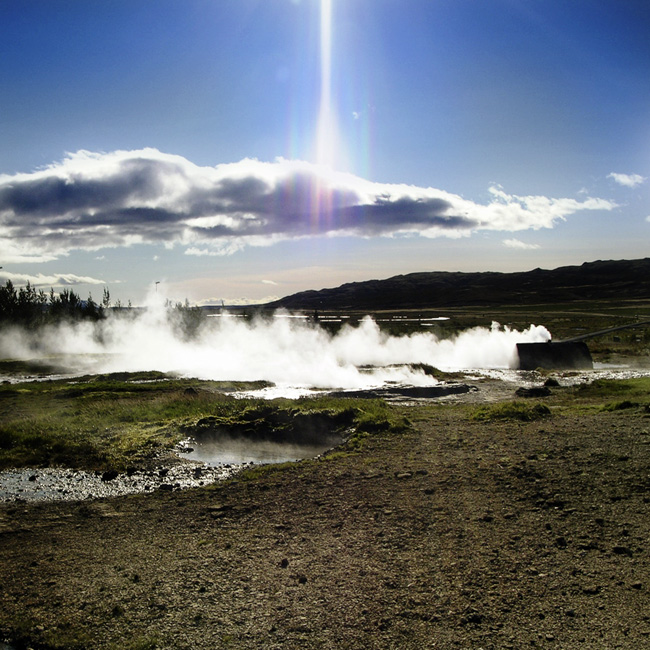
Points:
x=622 y=550
x=472 y=617
x=535 y=391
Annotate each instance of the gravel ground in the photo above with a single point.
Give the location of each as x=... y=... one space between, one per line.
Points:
x=455 y=534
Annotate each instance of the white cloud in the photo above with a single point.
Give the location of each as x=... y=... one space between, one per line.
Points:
x=275 y=284
x=516 y=243
x=54 y=280
x=92 y=201
x=627 y=180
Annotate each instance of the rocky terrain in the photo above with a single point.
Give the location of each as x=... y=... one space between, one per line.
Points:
x=458 y=533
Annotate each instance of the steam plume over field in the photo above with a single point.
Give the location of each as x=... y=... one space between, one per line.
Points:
x=286 y=351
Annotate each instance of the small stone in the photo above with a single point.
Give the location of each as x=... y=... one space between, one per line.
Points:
x=622 y=550
x=284 y=563
x=637 y=585
x=473 y=618
x=535 y=391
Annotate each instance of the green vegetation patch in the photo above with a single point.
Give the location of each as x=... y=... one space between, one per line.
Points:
x=436 y=373
x=15 y=367
x=631 y=389
x=117 y=422
x=522 y=411
x=619 y=406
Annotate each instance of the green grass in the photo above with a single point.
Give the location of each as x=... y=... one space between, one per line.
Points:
x=631 y=389
x=112 y=422
x=522 y=411
x=619 y=406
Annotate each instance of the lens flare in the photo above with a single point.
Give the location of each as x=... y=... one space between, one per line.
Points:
x=326 y=126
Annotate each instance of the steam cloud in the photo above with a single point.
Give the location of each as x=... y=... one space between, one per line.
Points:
x=91 y=201
x=286 y=351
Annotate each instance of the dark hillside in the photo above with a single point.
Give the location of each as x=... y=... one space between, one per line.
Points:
x=602 y=280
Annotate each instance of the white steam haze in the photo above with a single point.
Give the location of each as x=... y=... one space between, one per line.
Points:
x=290 y=352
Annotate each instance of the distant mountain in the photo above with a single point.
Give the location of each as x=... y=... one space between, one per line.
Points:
x=602 y=280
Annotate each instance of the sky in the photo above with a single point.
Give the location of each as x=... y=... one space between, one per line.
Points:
x=244 y=150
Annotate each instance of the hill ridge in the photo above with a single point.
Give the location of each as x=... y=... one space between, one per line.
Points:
x=599 y=280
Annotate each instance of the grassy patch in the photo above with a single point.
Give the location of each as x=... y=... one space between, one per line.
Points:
x=631 y=389
x=619 y=406
x=17 y=368
x=522 y=411
x=436 y=373
x=113 y=422
x=609 y=395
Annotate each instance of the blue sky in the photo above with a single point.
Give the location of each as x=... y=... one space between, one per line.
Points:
x=160 y=140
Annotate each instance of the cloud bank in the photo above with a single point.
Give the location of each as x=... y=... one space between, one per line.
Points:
x=90 y=201
x=53 y=280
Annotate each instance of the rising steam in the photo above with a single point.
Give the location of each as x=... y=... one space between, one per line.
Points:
x=289 y=352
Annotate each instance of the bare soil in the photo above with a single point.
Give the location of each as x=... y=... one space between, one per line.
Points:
x=454 y=534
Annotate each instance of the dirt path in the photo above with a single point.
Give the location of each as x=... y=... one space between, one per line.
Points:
x=458 y=534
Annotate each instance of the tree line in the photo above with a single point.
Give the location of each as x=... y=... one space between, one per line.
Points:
x=30 y=307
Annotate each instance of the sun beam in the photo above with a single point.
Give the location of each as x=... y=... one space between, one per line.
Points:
x=326 y=126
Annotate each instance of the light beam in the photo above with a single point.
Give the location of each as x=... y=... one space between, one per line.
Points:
x=326 y=126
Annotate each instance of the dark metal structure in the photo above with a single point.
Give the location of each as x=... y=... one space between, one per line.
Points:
x=570 y=354
x=563 y=355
